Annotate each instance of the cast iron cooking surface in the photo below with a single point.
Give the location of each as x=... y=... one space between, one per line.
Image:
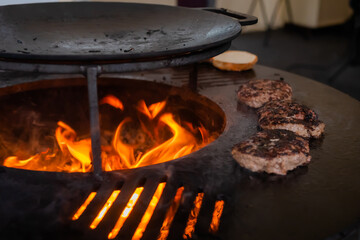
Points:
x=311 y=202
x=87 y=31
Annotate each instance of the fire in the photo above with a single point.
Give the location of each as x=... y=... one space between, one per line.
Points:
x=164 y=231
x=149 y=212
x=190 y=227
x=154 y=136
x=215 y=222
x=112 y=101
x=104 y=210
x=84 y=206
x=124 y=215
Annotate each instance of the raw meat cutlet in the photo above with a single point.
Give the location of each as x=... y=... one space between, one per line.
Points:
x=256 y=93
x=272 y=151
x=291 y=116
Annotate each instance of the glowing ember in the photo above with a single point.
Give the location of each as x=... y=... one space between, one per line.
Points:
x=149 y=212
x=190 y=227
x=129 y=207
x=155 y=136
x=104 y=210
x=164 y=231
x=84 y=206
x=215 y=222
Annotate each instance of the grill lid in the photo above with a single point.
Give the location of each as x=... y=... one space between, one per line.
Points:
x=94 y=31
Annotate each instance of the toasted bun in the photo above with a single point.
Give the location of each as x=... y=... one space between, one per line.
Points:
x=234 y=61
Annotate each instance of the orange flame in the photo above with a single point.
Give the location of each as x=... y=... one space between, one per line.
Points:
x=104 y=210
x=149 y=212
x=170 y=214
x=154 y=137
x=215 y=222
x=153 y=110
x=124 y=215
x=190 y=227
x=112 y=101
x=84 y=206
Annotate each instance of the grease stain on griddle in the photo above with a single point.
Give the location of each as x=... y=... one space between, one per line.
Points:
x=119 y=35
x=128 y=50
x=152 y=31
x=24 y=52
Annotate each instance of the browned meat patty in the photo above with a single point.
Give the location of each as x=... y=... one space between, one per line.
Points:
x=291 y=116
x=256 y=93
x=272 y=151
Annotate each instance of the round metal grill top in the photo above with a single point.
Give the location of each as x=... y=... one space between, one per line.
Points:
x=93 y=31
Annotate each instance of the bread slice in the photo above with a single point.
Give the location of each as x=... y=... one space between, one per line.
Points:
x=234 y=61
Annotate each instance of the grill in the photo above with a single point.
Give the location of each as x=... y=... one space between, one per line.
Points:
x=206 y=185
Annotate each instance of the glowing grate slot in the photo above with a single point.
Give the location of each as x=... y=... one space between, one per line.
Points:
x=215 y=222
x=129 y=207
x=164 y=231
x=104 y=210
x=84 y=206
x=149 y=212
x=190 y=227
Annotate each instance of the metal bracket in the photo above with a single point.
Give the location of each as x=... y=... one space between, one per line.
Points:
x=193 y=77
x=91 y=75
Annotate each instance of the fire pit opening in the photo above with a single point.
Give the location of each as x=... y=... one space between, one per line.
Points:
x=46 y=124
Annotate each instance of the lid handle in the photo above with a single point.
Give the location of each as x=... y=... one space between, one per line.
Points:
x=244 y=19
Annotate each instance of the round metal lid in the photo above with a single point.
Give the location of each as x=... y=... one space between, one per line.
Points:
x=94 y=31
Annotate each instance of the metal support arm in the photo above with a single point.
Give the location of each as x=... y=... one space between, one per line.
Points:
x=91 y=75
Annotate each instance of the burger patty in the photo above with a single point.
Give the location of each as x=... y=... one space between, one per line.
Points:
x=272 y=151
x=256 y=93
x=290 y=116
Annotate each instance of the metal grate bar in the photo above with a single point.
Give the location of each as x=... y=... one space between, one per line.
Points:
x=109 y=221
x=149 y=212
x=153 y=228
x=205 y=215
x=139 y=210
x=180 y=221
x=105 y=209
x=94 y=207
x=125 y=213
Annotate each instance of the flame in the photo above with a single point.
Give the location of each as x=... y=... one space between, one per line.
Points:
x=84 y=206
x=155 y=136
x=190 y=226
x=215 y=222
x=164 y=231
x=149 y=212
x=153 y=110
x=104 y=210
x=112 y=101
x=129 y=207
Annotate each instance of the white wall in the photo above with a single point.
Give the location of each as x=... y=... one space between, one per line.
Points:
x=307 y=13
x=244 y=5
